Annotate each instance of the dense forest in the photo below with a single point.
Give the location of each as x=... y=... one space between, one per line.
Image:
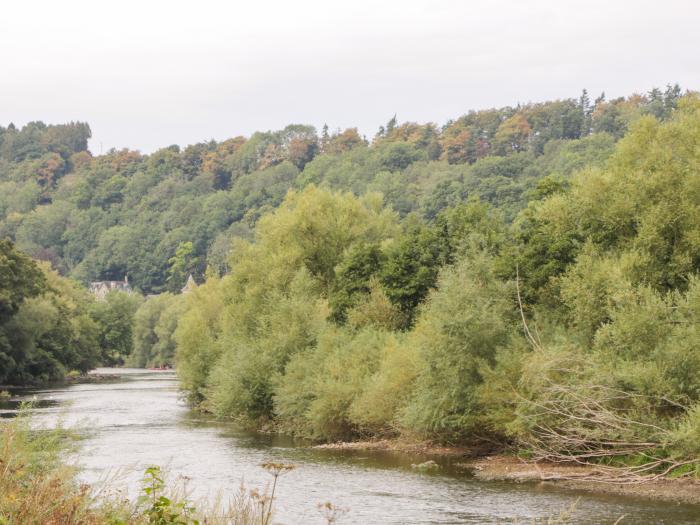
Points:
x=523 y=275
x=125 y=213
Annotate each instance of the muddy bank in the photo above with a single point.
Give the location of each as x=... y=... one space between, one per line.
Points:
x=510 y=468
x=394 y=445
x=513 y=469
x=91 y=378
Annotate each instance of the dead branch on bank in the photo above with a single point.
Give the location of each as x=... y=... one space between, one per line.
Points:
x=590 y=424
x=595 y=425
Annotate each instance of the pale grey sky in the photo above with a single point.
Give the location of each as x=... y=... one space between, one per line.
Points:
x=146 y=74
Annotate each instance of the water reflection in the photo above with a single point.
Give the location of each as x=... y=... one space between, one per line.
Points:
x=141 y=421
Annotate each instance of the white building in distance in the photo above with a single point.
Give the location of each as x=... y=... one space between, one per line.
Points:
x=101 y=288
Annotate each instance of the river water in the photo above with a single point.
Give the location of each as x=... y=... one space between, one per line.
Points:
x=140 y=420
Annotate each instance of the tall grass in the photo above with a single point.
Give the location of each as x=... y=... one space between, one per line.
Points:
x=38 y=488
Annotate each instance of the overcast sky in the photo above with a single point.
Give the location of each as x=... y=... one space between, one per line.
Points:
x=146 y=74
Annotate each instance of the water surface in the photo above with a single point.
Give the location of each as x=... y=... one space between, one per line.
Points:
x=140 y=420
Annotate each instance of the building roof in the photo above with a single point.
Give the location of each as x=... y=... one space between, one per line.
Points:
x=102 y=288
x=189 y=285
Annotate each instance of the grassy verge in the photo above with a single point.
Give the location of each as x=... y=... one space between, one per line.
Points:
x=38 y=488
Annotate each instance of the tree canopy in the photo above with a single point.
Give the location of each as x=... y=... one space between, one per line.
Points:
x=103 y=217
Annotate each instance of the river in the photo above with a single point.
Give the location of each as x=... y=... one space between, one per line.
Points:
x=140 y=420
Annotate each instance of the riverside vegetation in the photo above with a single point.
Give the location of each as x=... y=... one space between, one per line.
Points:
x=37 y=487
x=523 y=277
x=570 y=334
x=50 y=325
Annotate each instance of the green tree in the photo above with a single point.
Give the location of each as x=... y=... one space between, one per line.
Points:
x=48 y=330
x=466 y=320
x=353 y=276
x=412 y=265
x=20 y=278
x=115 y=321
x=181 y=264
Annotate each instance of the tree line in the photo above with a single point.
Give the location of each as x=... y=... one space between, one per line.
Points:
x=162 y=216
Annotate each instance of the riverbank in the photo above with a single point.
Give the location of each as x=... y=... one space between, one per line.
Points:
x=396 y=445
x=510 y=468
x=91 y=378
x=68 y=380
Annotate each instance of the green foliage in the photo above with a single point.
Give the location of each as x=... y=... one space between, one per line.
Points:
x=20 y=278
x=526 y=274
x=160 y=509
x=317 y=394
x=36 y=139
x=115 y=321
x=377 y=407
x=154 y=325
x=181 y=265
x=46 y=327
x=375 y=309
x=686 y=436
x=259 y=336
x=466 y=320
x=625 y=299
x=353 y=276
x=412 y=265
x=103 y=217
x=196 y=338
x=340 y=318
x=655 y=336
x=644 y=204
x=239 y=333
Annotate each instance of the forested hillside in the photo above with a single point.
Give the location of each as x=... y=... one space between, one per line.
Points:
x=158 y=217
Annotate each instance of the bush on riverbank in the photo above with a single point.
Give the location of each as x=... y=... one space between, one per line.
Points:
x=45 y=324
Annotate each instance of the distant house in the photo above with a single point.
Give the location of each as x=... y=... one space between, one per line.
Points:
x=101 y=288
x=189 y=285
